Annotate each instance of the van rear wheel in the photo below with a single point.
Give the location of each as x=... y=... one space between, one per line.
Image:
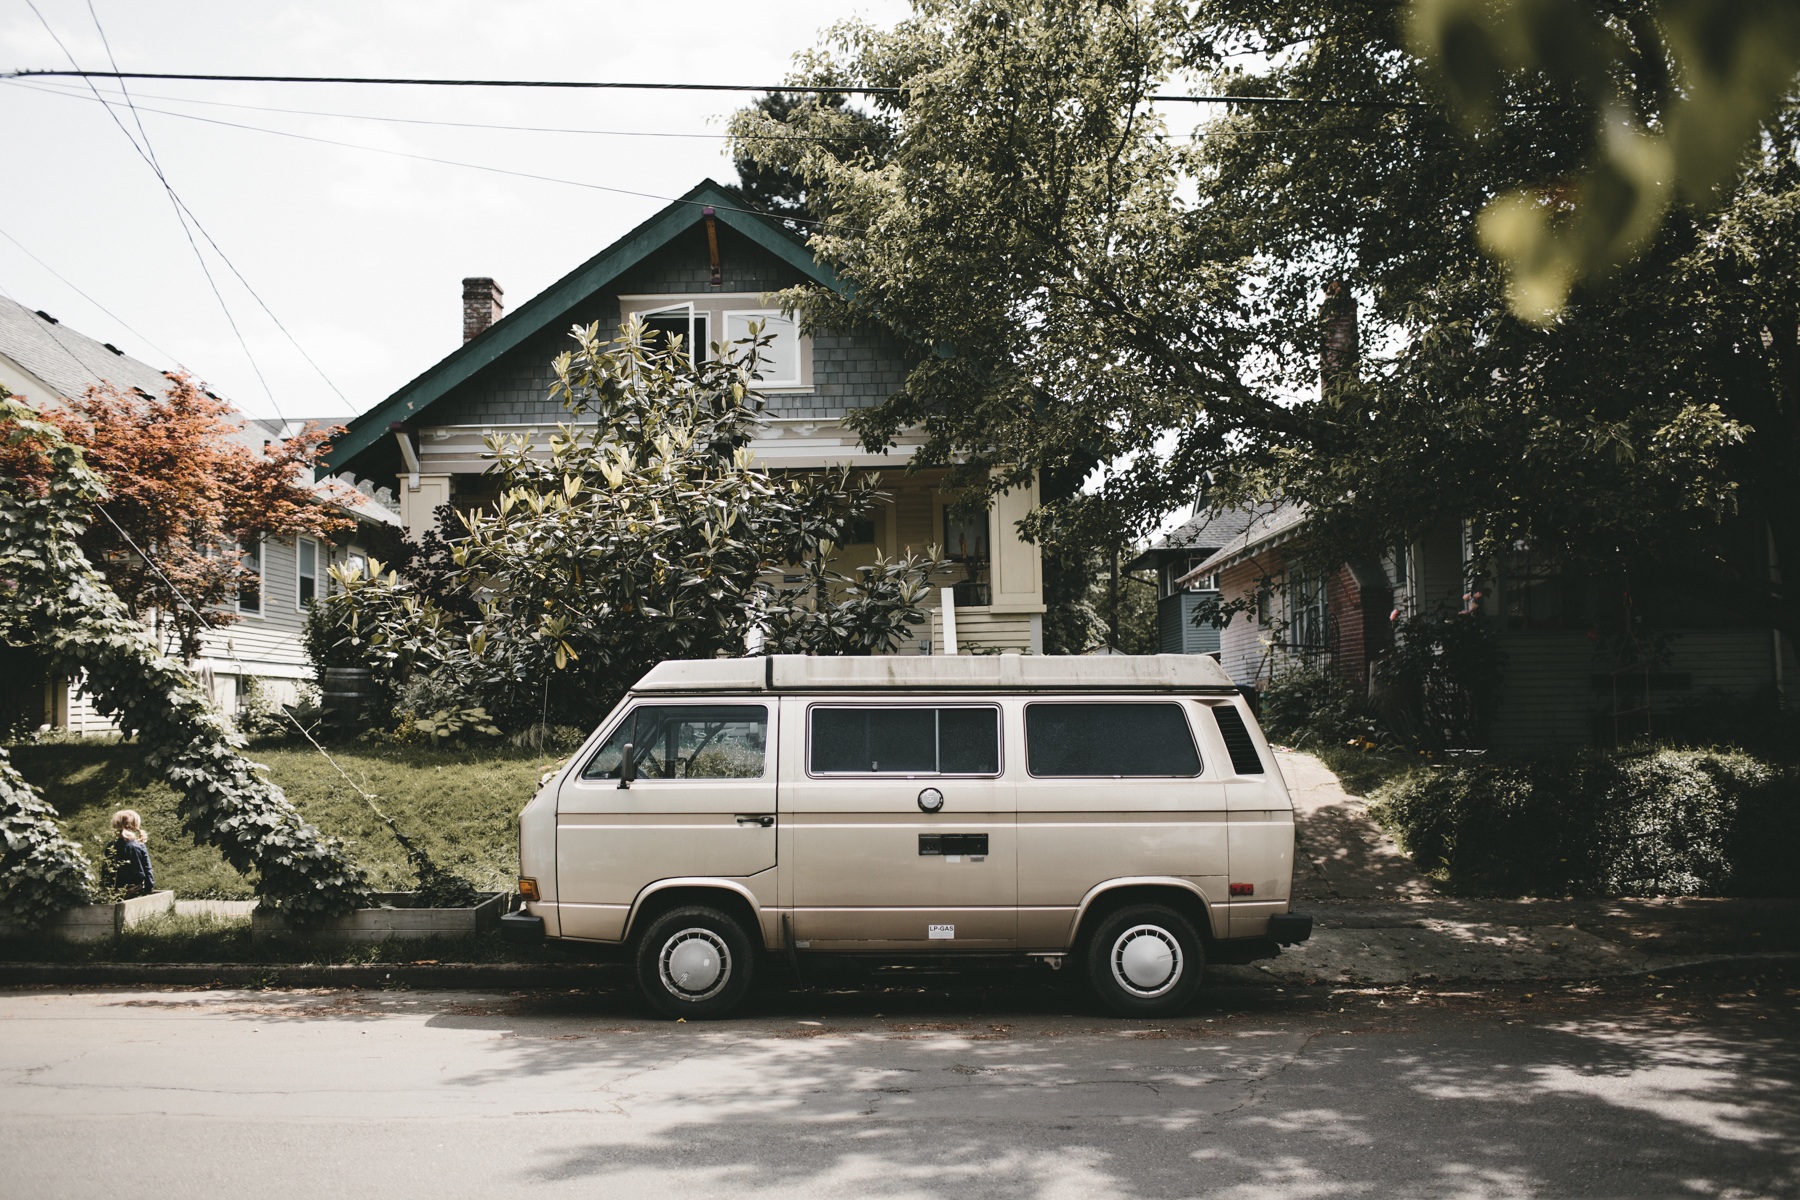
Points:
x=1145 y=961
x=695 y=962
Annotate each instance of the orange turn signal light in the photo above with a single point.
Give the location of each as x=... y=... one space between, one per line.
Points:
x=528 y=888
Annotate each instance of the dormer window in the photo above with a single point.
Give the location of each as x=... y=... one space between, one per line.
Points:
x=785 y=361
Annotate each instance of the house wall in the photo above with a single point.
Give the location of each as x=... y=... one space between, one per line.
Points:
x=1176 y=632
x=1241 y=642
x=1548 y=697
x=849 y=370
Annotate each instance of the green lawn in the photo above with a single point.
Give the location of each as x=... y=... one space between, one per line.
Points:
x=462 y=806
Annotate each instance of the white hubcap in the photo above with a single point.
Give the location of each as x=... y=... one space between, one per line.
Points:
x=1146 y=960
x=695 y=964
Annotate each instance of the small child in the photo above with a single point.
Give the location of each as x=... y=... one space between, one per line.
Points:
x=127 y=865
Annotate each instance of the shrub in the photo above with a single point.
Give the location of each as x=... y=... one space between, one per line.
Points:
x=1304 y=703
x=1645 y=821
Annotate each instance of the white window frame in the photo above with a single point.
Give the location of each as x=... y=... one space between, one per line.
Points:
x=763 y=314
x=718 y=306
x=260 y=563
x=695 y=353
x=300 y=604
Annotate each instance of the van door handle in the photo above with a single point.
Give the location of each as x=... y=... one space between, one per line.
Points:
x=762 y=819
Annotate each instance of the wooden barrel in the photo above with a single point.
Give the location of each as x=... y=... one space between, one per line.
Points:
x=347 y=696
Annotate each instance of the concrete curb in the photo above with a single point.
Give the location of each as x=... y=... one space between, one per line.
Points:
x=453 y=976
x=535 y=976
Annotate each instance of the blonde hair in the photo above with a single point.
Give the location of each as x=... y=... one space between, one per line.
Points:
x=127 y=824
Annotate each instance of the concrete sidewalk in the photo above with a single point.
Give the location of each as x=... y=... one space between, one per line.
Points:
x=1378 y=920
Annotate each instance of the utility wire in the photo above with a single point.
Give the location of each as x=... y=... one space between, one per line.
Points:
x=451 y=162
x=58 y=89
x=181 y=215
x=798 y=89
x=26 y=250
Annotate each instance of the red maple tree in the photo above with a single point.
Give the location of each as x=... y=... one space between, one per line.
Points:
x=187 y=491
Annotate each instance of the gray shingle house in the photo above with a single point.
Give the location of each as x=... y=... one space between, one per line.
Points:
x=704 y=267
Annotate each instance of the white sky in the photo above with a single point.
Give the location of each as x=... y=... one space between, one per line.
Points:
x=360 y=255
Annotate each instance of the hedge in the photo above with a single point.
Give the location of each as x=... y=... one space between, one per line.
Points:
x=1644 y=821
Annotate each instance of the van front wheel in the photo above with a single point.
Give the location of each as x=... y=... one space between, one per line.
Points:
x=1145 y=961
x=694 y=962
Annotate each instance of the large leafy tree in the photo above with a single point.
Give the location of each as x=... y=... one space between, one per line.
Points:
x=1087 y=289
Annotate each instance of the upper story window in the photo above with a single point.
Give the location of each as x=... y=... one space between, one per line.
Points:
x=784 y=361
x=250 y=590
x=306 y=554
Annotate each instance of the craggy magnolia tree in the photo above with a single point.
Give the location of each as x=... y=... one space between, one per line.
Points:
x=55 y=609
x=646 y=533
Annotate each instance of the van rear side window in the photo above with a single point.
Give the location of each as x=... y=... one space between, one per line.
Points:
x=1244 y=759
x=905 y=741
x=1109 y=741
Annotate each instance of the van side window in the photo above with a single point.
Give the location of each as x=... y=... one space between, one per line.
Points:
x=1109 y=741
x=687 y=741
x=905 y=741
x=1244 y=759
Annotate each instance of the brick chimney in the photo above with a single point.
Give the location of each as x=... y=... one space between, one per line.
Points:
x=481 y=305
x=1339 y=348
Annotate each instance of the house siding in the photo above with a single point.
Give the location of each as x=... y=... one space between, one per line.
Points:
x=849 y=370
x=1176 y=632
x=1241 y=649
x=1547 y=694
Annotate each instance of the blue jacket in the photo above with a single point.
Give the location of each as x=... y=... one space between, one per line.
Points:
x=128 y=867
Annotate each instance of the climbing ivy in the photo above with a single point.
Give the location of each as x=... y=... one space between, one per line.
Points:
x=51 y=599
x=41 y=871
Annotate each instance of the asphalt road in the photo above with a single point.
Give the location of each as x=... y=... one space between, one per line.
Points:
x=1642 y=1088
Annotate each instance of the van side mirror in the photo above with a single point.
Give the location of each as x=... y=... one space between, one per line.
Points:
x=627 y=765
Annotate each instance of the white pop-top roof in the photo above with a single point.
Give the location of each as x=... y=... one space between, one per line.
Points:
x=943 y=672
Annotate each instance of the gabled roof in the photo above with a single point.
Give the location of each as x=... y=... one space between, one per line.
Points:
x=591 y=277
x=69 y=361
x=1271 y=524
x=1203 y=533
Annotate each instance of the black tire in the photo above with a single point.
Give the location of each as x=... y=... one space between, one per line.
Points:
x=1145 y=960
x=694 y=945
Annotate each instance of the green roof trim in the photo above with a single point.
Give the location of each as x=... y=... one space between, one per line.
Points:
x=532 y=317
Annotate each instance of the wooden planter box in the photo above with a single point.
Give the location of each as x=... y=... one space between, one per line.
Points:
x=98 y=922
x=398 y=917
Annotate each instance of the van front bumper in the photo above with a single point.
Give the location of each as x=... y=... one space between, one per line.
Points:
x=521 y=927
x=1289 y=929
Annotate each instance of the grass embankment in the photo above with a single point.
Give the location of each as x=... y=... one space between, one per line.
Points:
x=461 y=806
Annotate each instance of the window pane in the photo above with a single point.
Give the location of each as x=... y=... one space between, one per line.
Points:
x=1109 y=740
x=714 y=741
x=888 y=741
x=969 y=741
x=903 y=740
x=605 y=763
x=779 y=360
x=308 y=590
x=840 y=740
x=681 y=321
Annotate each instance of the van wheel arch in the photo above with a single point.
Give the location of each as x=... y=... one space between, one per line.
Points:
x=724 y=899
x=1183 y=901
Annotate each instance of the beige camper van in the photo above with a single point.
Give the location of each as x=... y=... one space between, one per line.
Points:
x=1123 y=812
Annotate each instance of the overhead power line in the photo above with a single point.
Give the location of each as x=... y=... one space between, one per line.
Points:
x=590 y=84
